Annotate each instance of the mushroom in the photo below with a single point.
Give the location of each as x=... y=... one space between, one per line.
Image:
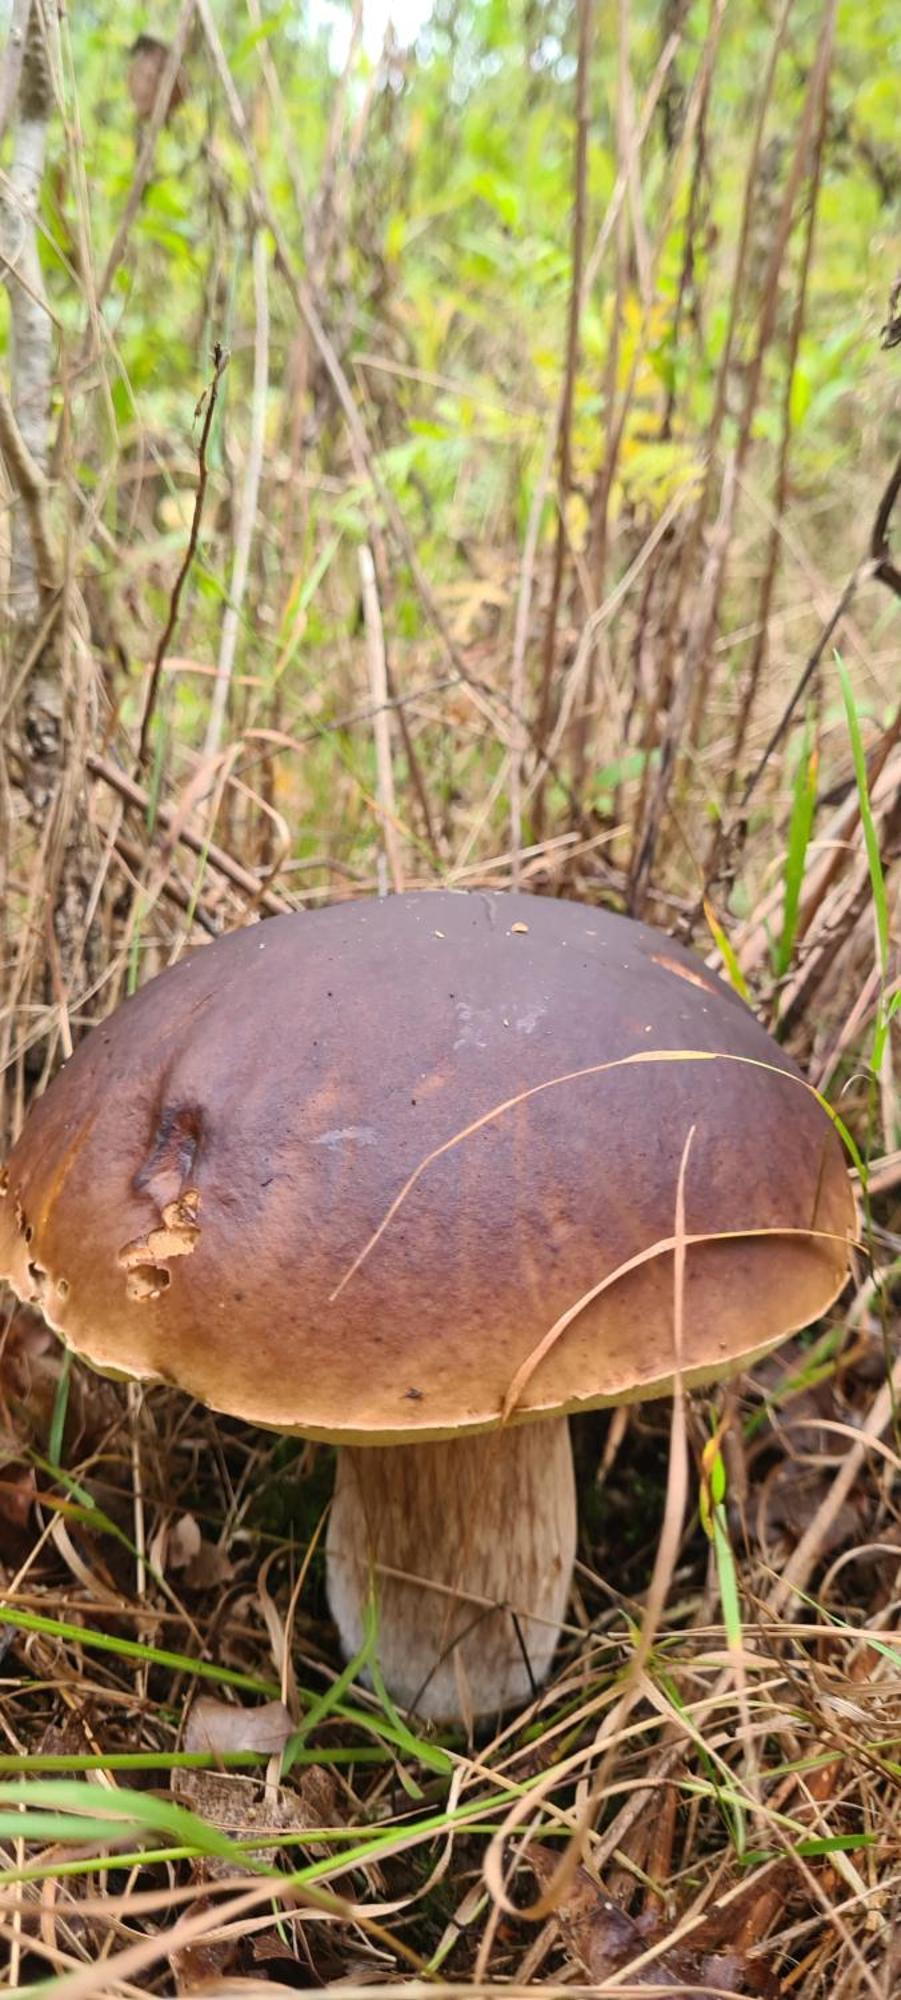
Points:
x=340 y=1175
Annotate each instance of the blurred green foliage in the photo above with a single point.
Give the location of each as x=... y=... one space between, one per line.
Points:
x=427 y=197
x=454 y=254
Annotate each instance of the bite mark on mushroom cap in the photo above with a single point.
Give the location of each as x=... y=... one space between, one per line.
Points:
x=146 y=1261
x=183 y=1141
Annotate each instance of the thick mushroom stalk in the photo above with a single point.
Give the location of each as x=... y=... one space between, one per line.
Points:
x=469 y=1547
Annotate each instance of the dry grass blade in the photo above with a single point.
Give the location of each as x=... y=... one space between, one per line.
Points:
x=798 y=1569
x=649 y=1056
x=665 y=1246
x=664 y=1565
x=378 y=682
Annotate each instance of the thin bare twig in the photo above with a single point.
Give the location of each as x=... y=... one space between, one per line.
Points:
x=695 y=665
x=564 y=480
x=879 y=565
x=886 y=570
x=224 y=864
x=208 y=405
x=31 y=485
x=780 y=493
x=378 y=683
x=26 y=433
x=250 y=492
x=365 y=467
x=518 y=661
x=831 y=626
x=596 y=560
x=523 y=732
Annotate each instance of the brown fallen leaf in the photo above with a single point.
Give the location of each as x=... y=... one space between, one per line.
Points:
x=247 y=1806
x=29 y=1375
x=145 y=74
x=594 y=1929
x=269 y=1945
x=220 y=1725
x=198 y=1967
x=789 y=1491
x=182 y=1542
x=605 y=1939
x=17 y=1490
x=180 y=1547
x=209 y=1569
x=32 y=1360
x=790 y=1499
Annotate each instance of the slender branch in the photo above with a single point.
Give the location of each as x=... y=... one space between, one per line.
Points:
x=879 y=565
x=208 y=405
x=31 y=486
x=524 y=733
x=365 y=465
x=886 y=571
x=381 y=727
x=810 y=667
x=215 y=857
x=583 y=683
x=883 y=571
x=780 y=493
x=695 y=664
x=250 y=492
x=520 y=642
x=580 y=201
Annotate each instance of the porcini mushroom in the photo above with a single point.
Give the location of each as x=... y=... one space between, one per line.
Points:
x=340 y=1175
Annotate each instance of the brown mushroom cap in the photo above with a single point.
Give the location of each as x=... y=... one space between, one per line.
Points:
x=202 y=1174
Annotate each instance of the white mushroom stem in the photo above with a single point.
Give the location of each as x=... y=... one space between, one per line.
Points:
x=468 y=1548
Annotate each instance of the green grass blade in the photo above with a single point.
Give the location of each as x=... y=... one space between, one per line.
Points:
x=35 y=1763
x=60 y=1406
x=724 y=947
x=871 y=837
x=133 y=1649
x=326 y=1703
x=800 y=828
x=52 y=1809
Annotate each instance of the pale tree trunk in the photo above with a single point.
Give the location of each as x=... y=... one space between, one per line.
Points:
x=26 y=419
x=46 y=678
